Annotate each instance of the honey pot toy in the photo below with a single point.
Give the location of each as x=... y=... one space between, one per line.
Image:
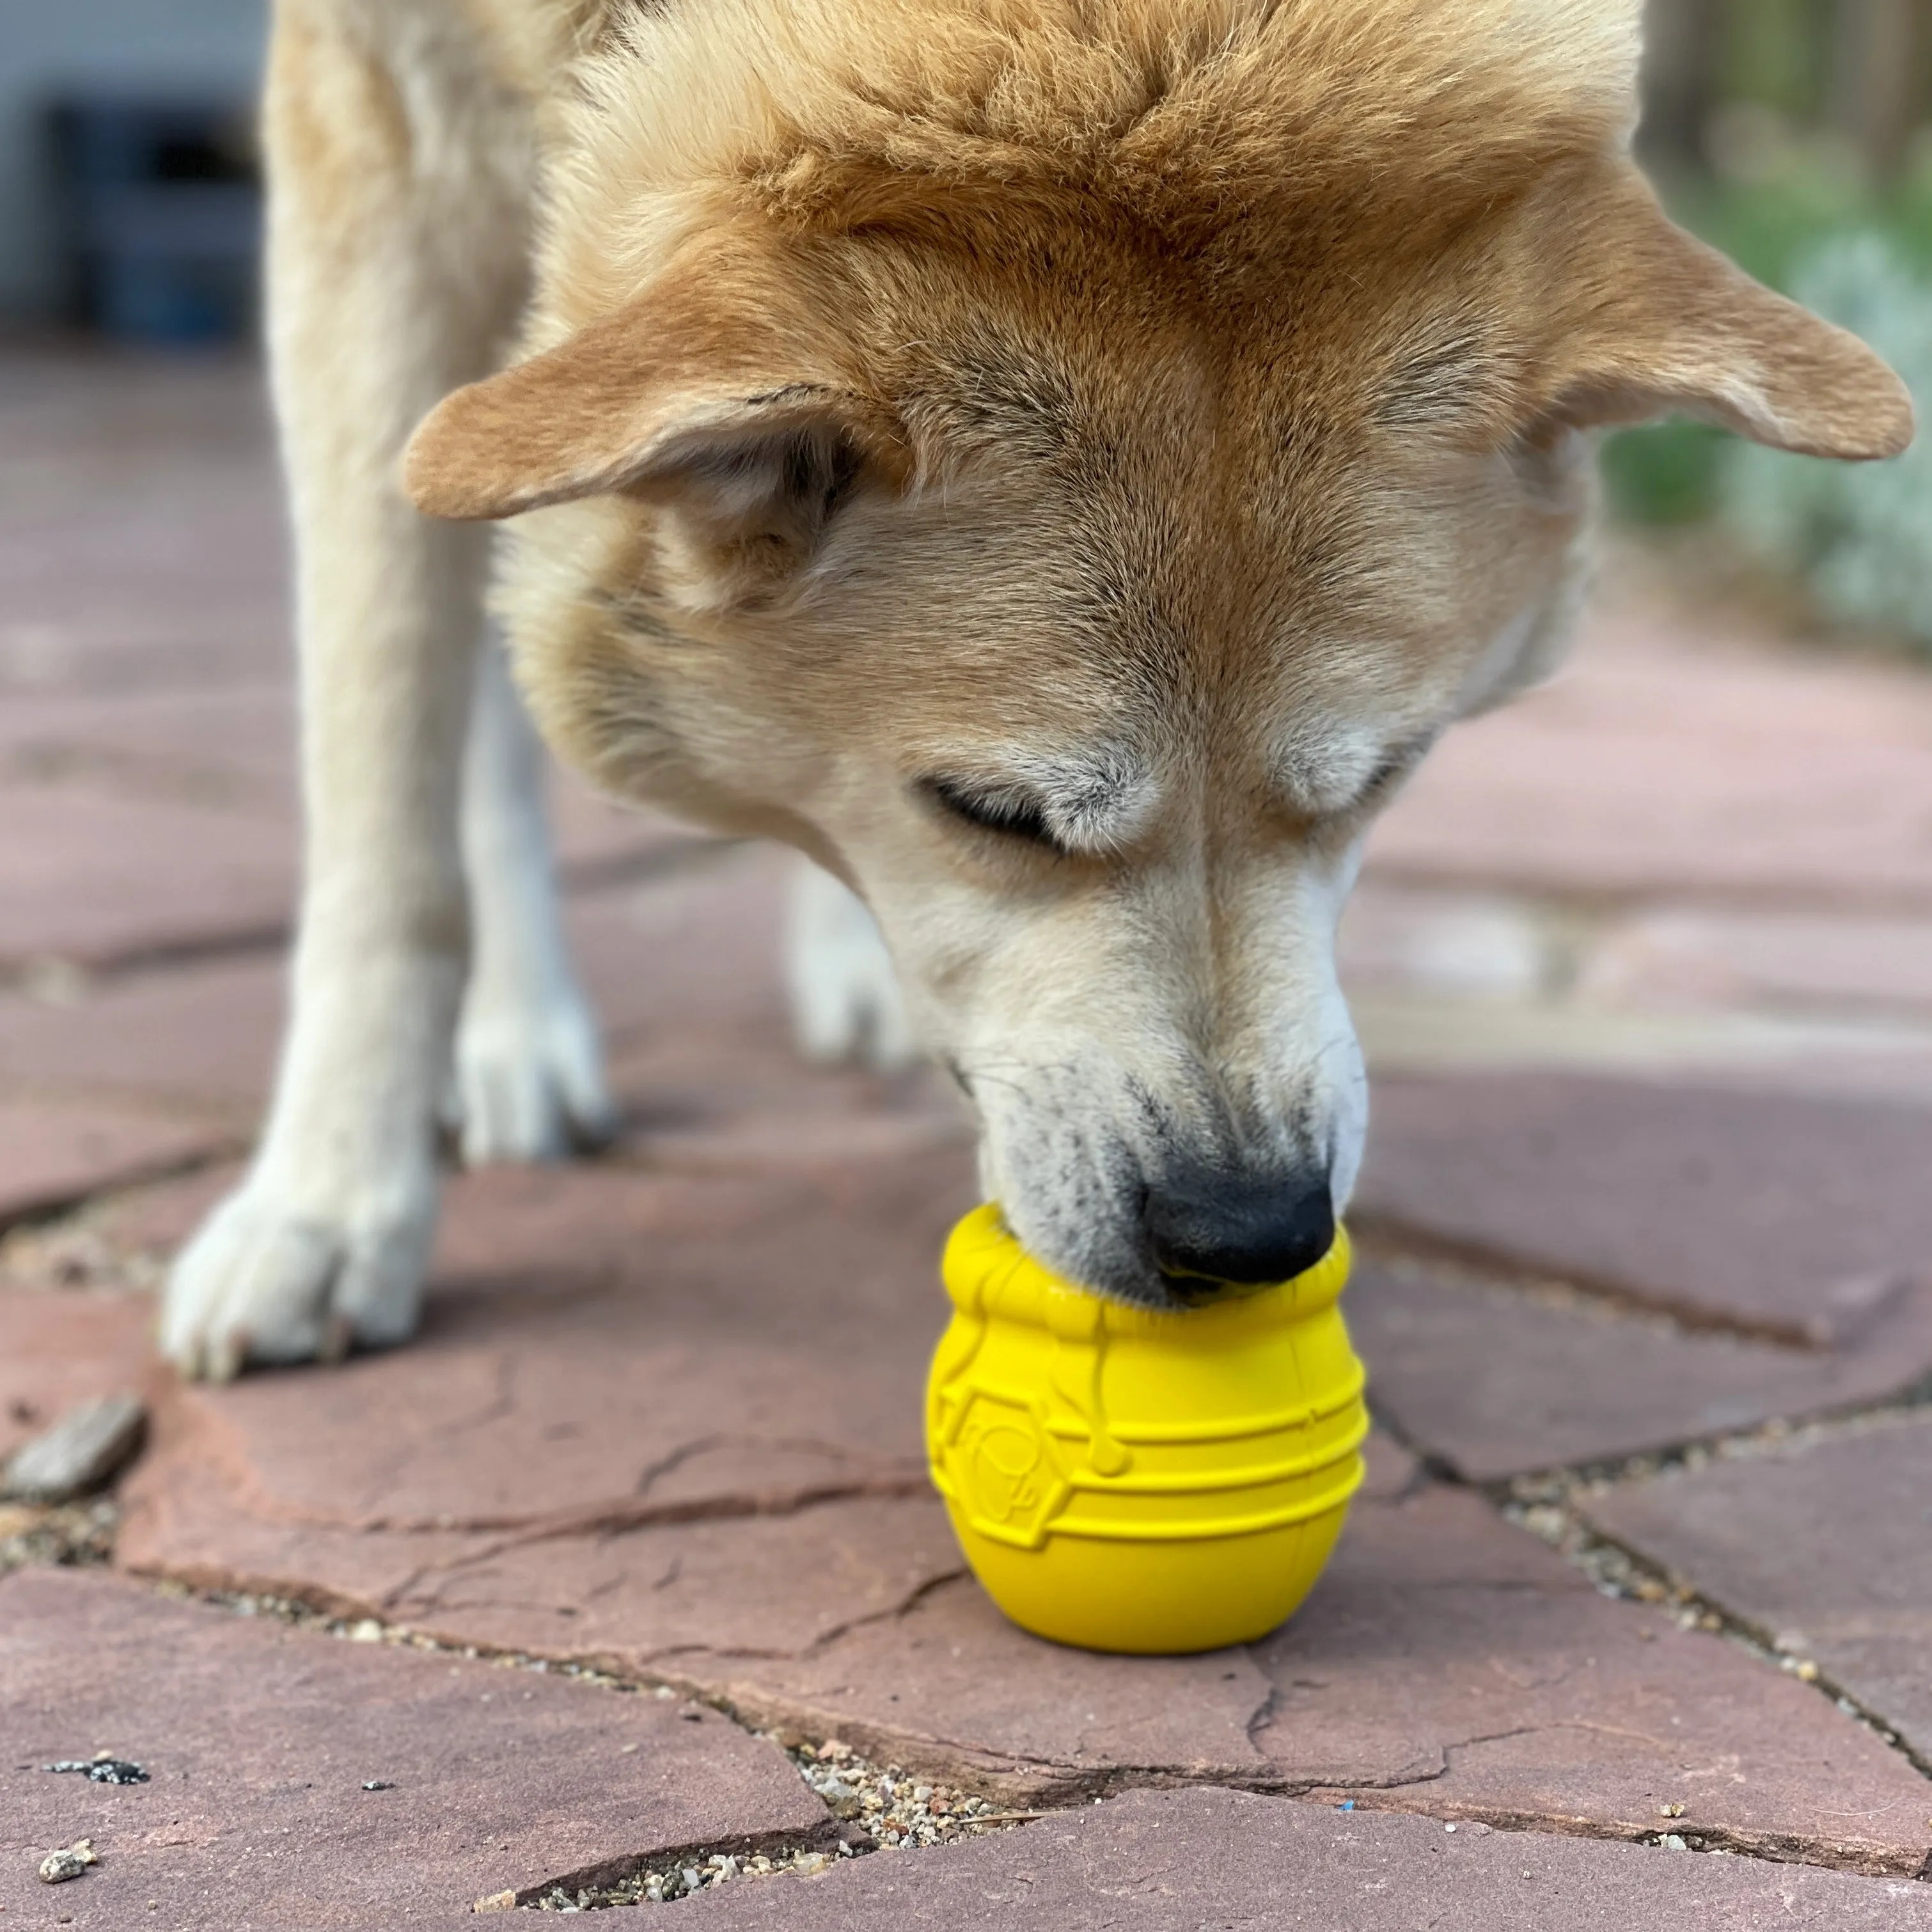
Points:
x=1126 y=1479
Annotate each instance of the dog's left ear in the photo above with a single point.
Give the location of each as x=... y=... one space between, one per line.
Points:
x=1664 y=326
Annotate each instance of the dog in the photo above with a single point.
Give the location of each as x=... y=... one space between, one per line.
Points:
x=1058 y=464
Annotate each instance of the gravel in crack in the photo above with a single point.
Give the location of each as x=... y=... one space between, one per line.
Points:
x=78 y=1534
x=882 y=1808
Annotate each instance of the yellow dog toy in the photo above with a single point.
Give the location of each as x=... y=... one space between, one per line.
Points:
x=1130 y=1480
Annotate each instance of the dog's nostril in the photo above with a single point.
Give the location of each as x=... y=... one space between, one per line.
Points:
x=1231 y=1233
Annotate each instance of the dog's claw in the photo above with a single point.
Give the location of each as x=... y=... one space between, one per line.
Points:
x=271 y=1279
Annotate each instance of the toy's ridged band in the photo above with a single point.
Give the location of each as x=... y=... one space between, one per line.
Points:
x=1129 y=1479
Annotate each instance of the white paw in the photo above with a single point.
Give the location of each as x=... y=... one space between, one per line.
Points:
x=273 y=1277
x=529 y=1080
x=845 y=998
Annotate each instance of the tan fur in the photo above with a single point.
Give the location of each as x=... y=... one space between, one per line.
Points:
x=1161 y=418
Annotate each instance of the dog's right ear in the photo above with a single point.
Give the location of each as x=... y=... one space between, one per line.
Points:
x=732 y=413
x=635 y=398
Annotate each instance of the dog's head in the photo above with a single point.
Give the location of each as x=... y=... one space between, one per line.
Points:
x=1062 y=469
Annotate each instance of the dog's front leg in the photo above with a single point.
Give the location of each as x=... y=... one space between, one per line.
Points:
x=846 y=1003
x=398 y=171
x=529 y=1071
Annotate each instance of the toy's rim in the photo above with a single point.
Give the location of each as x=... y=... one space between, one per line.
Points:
x=985 y=1264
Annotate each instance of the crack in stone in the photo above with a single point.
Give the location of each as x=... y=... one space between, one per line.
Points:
x=614 y=1516
x=1611 y=1564
x=893 y=1613
x=579 y=878
x=57 y=1205
x=1262 y=1718
x=1045 y=1785
x=1584 y=1542
x=827 y=1837
x=1386 y=1240
x=1767 y=1847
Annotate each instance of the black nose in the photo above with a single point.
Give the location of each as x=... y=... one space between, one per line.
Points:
x=1241 y=1231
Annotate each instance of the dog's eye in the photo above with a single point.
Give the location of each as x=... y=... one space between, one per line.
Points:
x=1379 y=780
x=1390 y=773
x=1012 y=813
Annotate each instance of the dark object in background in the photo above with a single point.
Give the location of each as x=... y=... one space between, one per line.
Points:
x=102 y=1769
x=161 y=213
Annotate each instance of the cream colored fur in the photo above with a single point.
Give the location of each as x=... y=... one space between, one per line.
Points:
x=1143 y=425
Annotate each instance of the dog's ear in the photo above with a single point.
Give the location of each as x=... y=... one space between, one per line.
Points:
x=729 y=411
x=1664 y=326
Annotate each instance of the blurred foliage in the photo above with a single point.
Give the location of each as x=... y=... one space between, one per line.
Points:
x=1777 y=129
x=1773 y=227
x=1860 y=535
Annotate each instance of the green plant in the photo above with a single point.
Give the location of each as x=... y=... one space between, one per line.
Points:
x=1860 y=535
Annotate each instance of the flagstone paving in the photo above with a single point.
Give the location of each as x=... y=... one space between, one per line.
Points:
x=1646 y=1297
x=1854 y=1598
x=1794 y=1219
x=374 y=1785
x=1223 y=1859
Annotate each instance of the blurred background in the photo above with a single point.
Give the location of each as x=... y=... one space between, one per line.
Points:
x=1797 y=134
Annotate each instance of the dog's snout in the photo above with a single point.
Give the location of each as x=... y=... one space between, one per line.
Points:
x=1218 y=1234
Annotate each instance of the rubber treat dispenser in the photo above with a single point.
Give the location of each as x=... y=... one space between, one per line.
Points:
x=1127 y=1479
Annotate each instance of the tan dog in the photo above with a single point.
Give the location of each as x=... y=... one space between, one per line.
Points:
x=1058 y=463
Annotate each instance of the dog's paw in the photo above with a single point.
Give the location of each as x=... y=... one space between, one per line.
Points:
x=271 y=1279
x=528 y=1082
x=845 y=999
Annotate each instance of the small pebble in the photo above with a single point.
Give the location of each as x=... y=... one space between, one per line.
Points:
x=70 y=1861
x=86 y=1447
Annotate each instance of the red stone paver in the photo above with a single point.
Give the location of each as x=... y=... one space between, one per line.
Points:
x=55 y=1151
x=825 y=1591
x=1663 y=764
x=1446 y=1664
x=596 y=1358
x=230 y=748
x=1496 y=1381
x=1178 y=1861
x=1828 y=964
x=92 y=877
x=1800 y=1218
x=202 y=1039
x=1825 y=1548
x=684 y=970
x=58 y=1348
x=257 y=1740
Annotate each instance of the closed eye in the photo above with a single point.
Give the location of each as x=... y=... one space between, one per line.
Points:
x=1390 y=773
x=1014 y=815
